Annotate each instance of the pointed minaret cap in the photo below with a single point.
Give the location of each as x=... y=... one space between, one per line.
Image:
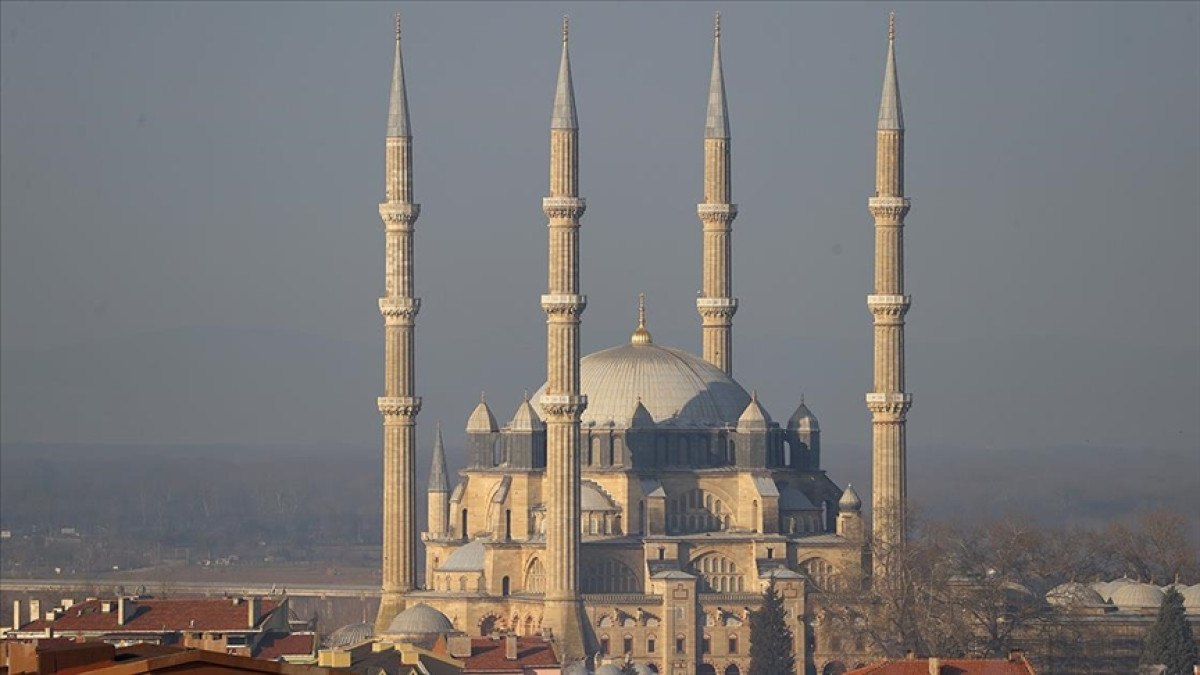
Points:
x=890 y=116
x=803 y=419
x=564 y=94
x=437 y=471
x=526 y=418
x=641 y=336
x=641 y=417
x=717 y=123
x=482 y=419
x=755 y=416
x=850 y=500
x=398 y=103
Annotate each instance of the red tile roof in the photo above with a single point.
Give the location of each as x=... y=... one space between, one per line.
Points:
x=155 y=615
x=278 y=645
x=1014 y=666
x=487 y=656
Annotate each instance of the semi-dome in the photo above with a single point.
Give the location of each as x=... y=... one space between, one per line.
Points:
x=1074 y=594
x=420 y=620
x=675 y=387
x=1137 y=596
x=352 y=634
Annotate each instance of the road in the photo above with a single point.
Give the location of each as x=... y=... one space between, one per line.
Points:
x=68 y=586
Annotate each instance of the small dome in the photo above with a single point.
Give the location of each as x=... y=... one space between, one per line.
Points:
x=466 y=558
x=1191 y=599
x=592 y=499
x=482 y=420
x=642 y=669
x=1138 y=596
x=608 y=669
x=420 y=619
x=850 y=500
x=755 y=416
x=352 y=634
x=803 y=419
x=1074 y=594
x=526 y=418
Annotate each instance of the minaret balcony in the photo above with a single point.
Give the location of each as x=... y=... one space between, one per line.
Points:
x=560 y=304
x=889 y=209
x=563 y=208
x=717 y=213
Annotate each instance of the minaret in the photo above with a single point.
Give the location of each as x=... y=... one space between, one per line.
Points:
x=439 y=492
x=398 y=405
x=888 y=401
x=717 y=304
x=562 y=403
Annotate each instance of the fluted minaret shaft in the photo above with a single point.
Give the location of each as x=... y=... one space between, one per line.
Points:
x=398 y=405
x=562 y=405
x=888 y=401
x=716 y=303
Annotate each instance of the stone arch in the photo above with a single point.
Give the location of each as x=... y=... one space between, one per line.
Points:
x=489 y=624
x=718 y=574
x=535 y=576
x=834 y=668
x=732 y=669
x=608 y=575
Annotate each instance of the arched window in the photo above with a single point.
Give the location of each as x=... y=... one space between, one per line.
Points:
x=535 y=577
x=821 y=573
x=504 y=586
x=732 y=669
x=464 y=524
x=718 y=574
x=697 y=511
x=607 y=575
x=508 y=523
x=462 y=583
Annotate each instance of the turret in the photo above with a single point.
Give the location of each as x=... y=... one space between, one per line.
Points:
x=753 y=437
x=524 y=438
x=438 y=492
x=849 y=518
x=804 y=439
x=716 y=303
x=482 y=436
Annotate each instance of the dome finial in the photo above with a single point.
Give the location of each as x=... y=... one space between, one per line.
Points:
x=641 y=336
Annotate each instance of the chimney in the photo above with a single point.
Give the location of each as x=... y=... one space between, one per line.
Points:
x=35 y=609
x=910 y=655
x=253 y=609
x=16 y=614
x=459 y=646
x=67 y=603
x=935 y=666
x=125 y=610
x=510 y=646
x=106 y=607
x=1016 y=655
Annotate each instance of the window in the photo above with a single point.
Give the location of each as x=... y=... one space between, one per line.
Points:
x=718 y=574
x=733 y=644
x=680 y=644
x=650 y=645
x=770 y=553
x=821 y=573
x=504 y=586
x=706 y=645
x=627 y=645
x=535 y=577
x=608 y=575
x=236 y=641
x=604 y=645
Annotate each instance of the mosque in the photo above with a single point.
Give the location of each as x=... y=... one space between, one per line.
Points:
x=637 y=505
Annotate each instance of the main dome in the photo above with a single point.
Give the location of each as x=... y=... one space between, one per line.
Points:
x=677 y=388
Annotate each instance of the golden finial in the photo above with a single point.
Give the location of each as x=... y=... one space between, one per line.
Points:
x=641 y=336
x=397 y=25
x=566 y=27
x=891 y=26
x=717 y=26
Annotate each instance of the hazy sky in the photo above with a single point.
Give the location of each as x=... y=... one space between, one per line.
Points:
x=191 y=250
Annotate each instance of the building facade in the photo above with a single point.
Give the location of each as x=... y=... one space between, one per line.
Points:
x=638 y=504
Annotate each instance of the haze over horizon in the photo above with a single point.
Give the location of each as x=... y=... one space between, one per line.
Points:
x=191 y=251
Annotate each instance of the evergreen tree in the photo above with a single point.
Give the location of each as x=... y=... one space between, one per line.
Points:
x=770 y=637
x=1170 y=642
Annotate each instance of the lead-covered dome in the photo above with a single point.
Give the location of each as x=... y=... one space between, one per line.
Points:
x=418 y=621
x=674 y=387
x=1137 y=596
x=1075 y=594
x=352 y=634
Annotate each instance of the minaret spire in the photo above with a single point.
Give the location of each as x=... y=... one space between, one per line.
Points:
x=438 y=499
x=563 y=404
x=716 y=303
x=888 y=401
x=399 y=405
x=437 y=470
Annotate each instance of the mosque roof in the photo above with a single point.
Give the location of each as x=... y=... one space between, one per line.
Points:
x=675 y=388
x=1191 y=599
x=754 y=416
x=1137 y=596
x=1075 y=594
x=420 y=619
x=481 y=418
x=466 y=558
x=526 y=418
x=351 y=634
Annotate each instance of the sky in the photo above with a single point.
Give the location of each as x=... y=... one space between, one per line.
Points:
x=190 y=250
